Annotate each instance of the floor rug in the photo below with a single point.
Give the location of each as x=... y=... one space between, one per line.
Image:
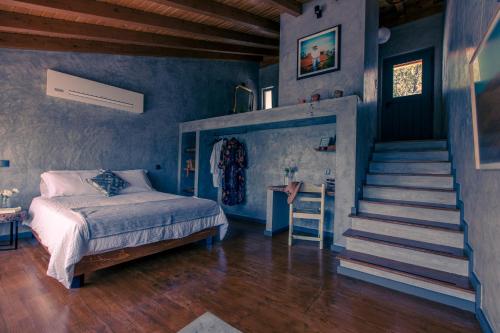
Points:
x=209 y=323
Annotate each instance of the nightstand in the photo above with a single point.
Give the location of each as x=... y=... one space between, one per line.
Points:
x=13 y=219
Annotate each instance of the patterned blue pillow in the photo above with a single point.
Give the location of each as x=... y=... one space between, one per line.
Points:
x=108 y=183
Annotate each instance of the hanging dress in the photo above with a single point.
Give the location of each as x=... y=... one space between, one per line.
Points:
x=233 y=163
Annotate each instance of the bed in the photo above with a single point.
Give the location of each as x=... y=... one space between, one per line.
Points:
x=83 y=231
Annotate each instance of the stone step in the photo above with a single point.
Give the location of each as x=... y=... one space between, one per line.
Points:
x=412 y=211
x=411 y=145
x=411 y=180
x=428 y=233
x=408 y=194
x=440 y=258
x=424 y=155
x=436 y=168
x=433 y=280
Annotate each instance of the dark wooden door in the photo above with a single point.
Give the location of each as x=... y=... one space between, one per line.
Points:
x=408 y=96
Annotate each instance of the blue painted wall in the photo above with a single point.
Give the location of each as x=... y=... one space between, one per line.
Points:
x=270 y=151
x=465 y=24
x=419 y=35
x=38 y=132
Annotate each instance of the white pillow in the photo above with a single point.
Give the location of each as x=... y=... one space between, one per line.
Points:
x=67 y=183
x=137 y=179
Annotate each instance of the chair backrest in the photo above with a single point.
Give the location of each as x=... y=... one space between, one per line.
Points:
x=311 y=188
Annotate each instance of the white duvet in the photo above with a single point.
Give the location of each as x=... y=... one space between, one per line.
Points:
x=65 y=234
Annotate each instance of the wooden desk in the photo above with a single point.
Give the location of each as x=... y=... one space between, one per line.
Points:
x=277 y=211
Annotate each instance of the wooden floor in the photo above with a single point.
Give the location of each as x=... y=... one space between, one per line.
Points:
x=253 y=282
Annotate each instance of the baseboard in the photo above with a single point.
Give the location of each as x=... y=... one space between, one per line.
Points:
x=469 y=251
x=308 y=231
x=245 y=218
x=408 y=289
x=271 y=233
x=314 y=232
x=483 y=321
x=337 y=248
x=21 y=235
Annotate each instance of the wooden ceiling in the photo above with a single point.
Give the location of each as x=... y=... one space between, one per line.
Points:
x=396 y=12
x=215 y=29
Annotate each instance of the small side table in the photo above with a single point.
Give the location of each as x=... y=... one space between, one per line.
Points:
x=14 y=219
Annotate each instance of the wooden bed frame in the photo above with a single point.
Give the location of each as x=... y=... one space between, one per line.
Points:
x=99 y=261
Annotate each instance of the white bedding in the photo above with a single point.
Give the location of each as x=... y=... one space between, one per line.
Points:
x=65 y=234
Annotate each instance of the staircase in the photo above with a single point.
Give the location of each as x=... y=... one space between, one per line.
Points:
x=407 y=233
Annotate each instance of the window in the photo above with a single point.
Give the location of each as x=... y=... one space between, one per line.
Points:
x=267 y=98
x=407 y=79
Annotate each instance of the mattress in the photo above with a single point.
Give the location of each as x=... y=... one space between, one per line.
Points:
x=64 y=232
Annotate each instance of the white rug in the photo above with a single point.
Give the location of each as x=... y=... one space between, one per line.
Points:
x=209 y=323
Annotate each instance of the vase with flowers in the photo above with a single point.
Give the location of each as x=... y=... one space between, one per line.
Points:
x=6 y=195
x=288 y=174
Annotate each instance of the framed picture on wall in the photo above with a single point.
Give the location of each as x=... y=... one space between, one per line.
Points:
x=318 y=53
x=485 y=91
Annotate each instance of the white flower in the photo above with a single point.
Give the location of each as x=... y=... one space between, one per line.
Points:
x=8 y=193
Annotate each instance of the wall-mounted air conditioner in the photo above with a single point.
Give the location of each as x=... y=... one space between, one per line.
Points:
x=91 y=92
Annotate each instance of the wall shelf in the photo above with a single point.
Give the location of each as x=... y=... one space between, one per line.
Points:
x=340 y=111
x=322 y=112
x=330 y=148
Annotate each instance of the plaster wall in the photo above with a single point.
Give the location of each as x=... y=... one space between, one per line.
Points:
x=269 y=152
x=465 y=24
x=39 y=133
x=351 y=16
x=414 y=36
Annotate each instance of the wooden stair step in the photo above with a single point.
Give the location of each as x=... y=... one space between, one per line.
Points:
x=429 y=155
x=437 y=181
x=409 y=174
x=412 y=161
x=412 y=204
x=411 y=144
x=422 y=273
x=409 y=150
x=442 y=250
x=410 y=222
x=411 y=188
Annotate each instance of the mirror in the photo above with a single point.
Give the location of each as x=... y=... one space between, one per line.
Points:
x=243 y=99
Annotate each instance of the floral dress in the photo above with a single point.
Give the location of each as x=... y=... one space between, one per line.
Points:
x=233 y=162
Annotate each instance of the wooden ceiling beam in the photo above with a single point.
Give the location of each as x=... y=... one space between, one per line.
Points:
x=291 y=7
x=391 y=18
x=221 y=11
x=23 y=23
x=110 y=15
x=34 y=42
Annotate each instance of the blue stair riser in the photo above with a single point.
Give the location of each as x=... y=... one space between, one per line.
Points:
x=409 y=145
x=434 y=168
x=438 y=155
x=404 y=194
x=437 y=182
x=419 y=213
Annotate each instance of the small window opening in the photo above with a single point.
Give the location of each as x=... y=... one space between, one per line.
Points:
x=267 y=98
x=407 y=79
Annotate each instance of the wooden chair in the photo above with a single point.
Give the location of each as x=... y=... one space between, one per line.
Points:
x=314 y=194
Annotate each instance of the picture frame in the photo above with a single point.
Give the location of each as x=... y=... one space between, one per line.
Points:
x=243 y=99
x=484 y=70
x=319 y=53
